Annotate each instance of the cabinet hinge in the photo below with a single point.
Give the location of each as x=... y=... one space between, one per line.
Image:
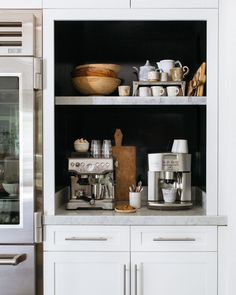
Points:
x=38 y=73
x=38 y=227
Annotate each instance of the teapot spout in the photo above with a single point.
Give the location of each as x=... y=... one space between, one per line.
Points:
x=158 y=65
x=136 y=70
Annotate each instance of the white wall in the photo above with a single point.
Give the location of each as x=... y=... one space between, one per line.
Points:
x=227 y=147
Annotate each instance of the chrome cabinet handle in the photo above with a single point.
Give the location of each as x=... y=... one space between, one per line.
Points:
x=124 y=269
x=174 y=240
x=135 y=279
x=98 y=239
x=12 y=259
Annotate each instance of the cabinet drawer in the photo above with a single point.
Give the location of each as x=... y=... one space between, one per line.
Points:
x=86 y=238
x=86 y=4
x=173 y=238
x=174 y=4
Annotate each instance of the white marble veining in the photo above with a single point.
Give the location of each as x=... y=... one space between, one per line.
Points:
x=143 y=216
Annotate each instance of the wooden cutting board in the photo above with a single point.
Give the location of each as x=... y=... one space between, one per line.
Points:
x=125 y=167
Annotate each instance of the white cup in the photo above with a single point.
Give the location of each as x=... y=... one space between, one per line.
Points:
x=169 y=194
x=157 y=91
x=124 y=90
x=135 y=199
x=164 y=77
x=153 y=76
x=144 y=91
x=180 y=146
x=172 y=90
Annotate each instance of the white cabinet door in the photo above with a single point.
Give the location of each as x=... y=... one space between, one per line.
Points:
x=86 y=4
x=174 y=4
x=174 y=273
x=86 y=273
x=15 y=4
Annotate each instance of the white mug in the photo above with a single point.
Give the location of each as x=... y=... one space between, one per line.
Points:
x=172 y=90
x=157 y=91
x=124 y=90
x=135 y=199
x=180 y=146
x=153 y=76
x=144 y=91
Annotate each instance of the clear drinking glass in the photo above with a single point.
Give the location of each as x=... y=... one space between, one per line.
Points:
x=95 y=148
x=106 y=149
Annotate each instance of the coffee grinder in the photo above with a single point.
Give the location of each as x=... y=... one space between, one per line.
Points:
x=169 y=171
x=92 y=183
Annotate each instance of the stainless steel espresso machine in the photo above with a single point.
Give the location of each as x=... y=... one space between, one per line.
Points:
x=169 y=171
x=92 y=183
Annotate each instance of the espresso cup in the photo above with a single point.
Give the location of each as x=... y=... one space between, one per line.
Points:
x=124 y=90
x=172 y=90
x=169 y=195
x=164 y=77
x=180 y=146
x=153 y=76
x=157 y=91
x=144 y=91
x=178 y=74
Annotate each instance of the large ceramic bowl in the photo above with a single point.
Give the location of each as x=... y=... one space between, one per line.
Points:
x=96 y=85
x=11 y=188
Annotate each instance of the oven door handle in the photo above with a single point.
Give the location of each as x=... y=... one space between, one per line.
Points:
x=12 y=259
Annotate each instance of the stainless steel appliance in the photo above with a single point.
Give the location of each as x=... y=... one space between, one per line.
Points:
x=92 y=183
x=20 y=76
x=173 y=171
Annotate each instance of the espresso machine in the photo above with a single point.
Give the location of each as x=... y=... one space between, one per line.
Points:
x=169 y=171
x=92 y=183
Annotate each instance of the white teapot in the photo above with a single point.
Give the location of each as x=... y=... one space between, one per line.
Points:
x=143 y=71
x=166 y=65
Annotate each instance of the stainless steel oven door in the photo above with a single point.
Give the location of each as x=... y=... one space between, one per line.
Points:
x=17 y=270
x=16 y=149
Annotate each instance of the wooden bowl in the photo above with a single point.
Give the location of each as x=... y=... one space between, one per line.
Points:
x=94 y=71
x=96 y=85
x=113 y=67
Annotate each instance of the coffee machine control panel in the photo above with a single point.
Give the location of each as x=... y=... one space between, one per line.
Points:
x=90 y=165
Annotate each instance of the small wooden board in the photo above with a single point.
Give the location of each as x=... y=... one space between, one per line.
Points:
x=125 y=167
x=126 y=211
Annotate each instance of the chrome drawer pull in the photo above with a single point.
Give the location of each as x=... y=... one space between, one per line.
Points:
x=98 y=239
x=12 y=259
x=174 y=240
x=124 y=269
x=135 y=279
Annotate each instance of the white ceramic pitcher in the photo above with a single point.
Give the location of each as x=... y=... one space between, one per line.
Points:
x=166 y=65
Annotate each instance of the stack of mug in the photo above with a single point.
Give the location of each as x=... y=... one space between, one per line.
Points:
x=167 y=70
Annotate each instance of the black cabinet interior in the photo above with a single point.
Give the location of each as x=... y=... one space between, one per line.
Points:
x=128 y=43
x=150 y=128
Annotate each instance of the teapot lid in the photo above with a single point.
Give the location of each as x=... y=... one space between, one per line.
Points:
x=147 y=65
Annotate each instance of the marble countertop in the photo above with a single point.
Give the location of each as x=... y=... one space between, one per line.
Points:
x=143 y=216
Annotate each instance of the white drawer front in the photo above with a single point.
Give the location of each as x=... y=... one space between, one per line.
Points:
x=173 y=238
x=86 y=238
x=174 y=4
x=86 y=4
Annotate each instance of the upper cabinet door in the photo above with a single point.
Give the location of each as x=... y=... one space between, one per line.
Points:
x=174 y=4
x=15 y=4
x=86 y=4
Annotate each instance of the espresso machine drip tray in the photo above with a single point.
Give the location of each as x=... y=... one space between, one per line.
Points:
x=161 y=205
x=78 y=204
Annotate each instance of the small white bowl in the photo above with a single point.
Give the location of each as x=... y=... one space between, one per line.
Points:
x=81 y=147
x=11 y=188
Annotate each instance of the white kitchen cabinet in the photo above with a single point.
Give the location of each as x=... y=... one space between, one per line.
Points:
x=20 y=4
x=86 y=4
x=177 y=273
x=174 y=4
x=86 y=273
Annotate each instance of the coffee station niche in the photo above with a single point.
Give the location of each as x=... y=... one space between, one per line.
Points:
x=149 y=123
